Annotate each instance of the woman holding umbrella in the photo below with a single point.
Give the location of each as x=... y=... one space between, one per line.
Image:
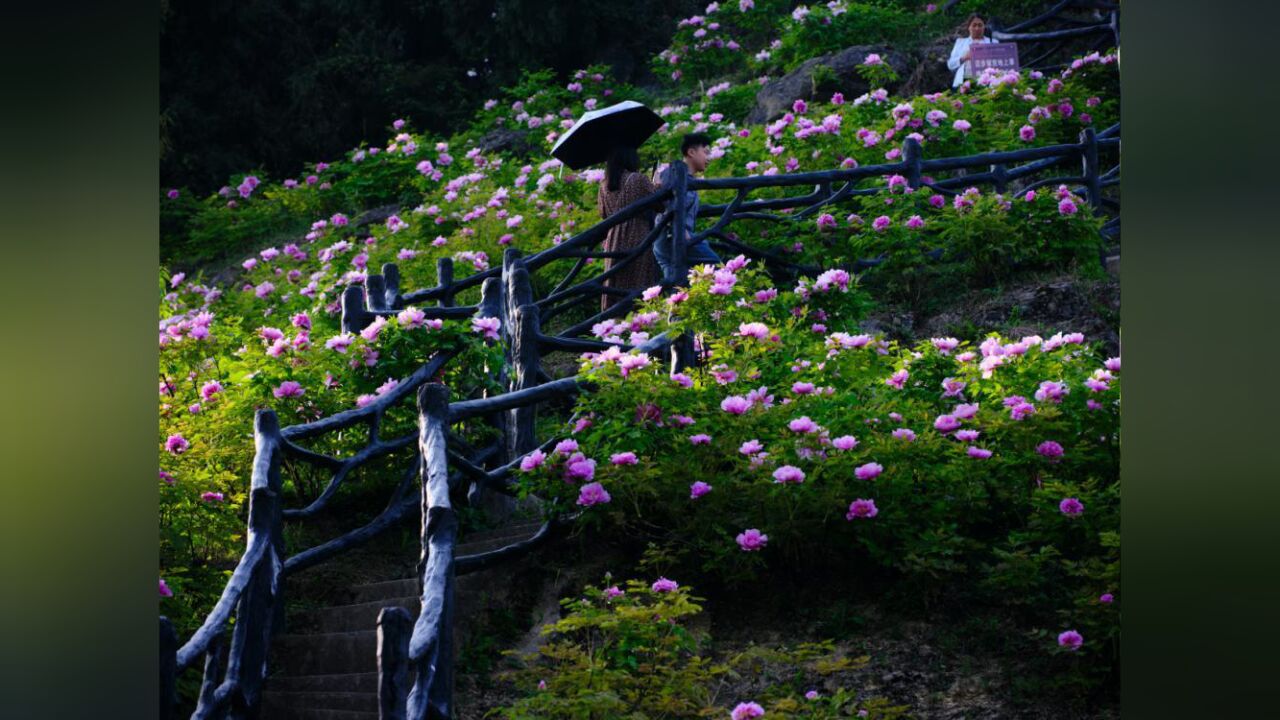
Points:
x=624 y=184
x=611 y=135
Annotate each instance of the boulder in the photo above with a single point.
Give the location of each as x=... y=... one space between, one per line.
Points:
x=516 y=141
x=931 y=73
x=777 y=96
x=376 y=215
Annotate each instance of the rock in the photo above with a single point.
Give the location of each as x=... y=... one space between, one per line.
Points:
x=931 y=73
x=516 y=141
x=375 y=215
x=777 y=96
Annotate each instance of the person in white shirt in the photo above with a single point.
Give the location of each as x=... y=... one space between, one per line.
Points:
x=959 y=60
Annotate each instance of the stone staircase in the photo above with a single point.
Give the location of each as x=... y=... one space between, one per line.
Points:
x=330 y=670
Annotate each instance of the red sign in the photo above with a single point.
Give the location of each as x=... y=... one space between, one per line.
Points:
x=998 y=56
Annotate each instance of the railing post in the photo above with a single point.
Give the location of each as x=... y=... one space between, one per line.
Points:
x=391 y=274
x=495 y=504
x=431 y=647
x=912 y=155
x=681 y=347
x=354 y=317
x=679 y=273
x=168 y=668
x=1089 y=159
x=525 y=365
x=376 y=291
x=444 y=279
x=251 y=636
x=395 y=626
x=999 y=177
x=214 y=663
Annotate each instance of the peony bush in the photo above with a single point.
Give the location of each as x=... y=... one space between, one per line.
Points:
x=804 y=444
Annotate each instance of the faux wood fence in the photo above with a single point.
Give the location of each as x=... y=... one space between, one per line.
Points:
x=415 y=654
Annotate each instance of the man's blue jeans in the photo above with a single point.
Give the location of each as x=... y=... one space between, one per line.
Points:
x=696 y=254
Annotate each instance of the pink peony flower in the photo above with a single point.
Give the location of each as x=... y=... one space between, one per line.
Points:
x=869 y=471
x=1106 y=598
x=176 y=444
x=1067 y=207
x=881 y=223
x=756 y=330
x=579 y=468
x=288 y=389
x=1071 y=507
x=1071 y=640
x=946 y=423
x=209 y=389
x=898 y=379
x=593 y=494
x=803 y=425
x=533 y=460
x=164 y=589
x=904 y=434
x=1027 y=133
x=952 y=387
x=339 y=343
x=862 y=508
x=700 y=439
x=1050 y=391
x=698 y=489
x=845 y=442
x=664 y=585
x=682 y=380
x=1049 y=449
x=746 y=711
x=486 y=325
x=788 y=474
x=211 y=497
x=802 y=388
x=751 y=447
x=967 y=435
x=979 y=453
x=623 y=458
x=751 y=540
x=411 y=318
x=735 y=405
x=613 y=592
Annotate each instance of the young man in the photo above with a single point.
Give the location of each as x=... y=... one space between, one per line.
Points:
x=694 y=151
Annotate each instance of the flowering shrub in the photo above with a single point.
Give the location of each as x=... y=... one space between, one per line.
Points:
x=223 y=355
x=821 y=446
x=624 y=650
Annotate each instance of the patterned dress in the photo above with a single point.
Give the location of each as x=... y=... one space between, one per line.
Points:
x=642 y=272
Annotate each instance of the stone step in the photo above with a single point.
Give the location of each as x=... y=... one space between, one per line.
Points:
x=359 y=616
x=349 y=682
x=286 y=713
x=277 y=704
x=335 y=653
x=527 y=527
x=404 y=587
x=373 y=592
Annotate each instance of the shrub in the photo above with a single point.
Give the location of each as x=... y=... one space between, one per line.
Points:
x=628 y=652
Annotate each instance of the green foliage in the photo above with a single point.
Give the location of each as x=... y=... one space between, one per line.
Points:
x=629 y=653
